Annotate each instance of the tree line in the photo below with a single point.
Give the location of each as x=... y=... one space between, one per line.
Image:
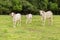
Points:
x=29 y=6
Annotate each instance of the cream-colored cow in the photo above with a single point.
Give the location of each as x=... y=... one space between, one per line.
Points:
x=46 y=15
x=29 y=18
x=16 y=18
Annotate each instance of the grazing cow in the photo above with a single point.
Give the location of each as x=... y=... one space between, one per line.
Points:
x=29 y=18
x=16 y=18
x=46 y=15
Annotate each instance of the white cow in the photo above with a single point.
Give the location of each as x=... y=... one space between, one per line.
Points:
x=29 y=18
x=46 y=15
x=16 y=18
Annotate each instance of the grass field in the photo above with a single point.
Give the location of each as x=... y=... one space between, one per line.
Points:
x=33 y=31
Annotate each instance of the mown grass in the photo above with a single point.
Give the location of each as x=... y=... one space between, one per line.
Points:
x=33 y=31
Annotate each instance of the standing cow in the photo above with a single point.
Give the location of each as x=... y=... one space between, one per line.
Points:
x=16 y=18
x=29 y=18
x=46 y=15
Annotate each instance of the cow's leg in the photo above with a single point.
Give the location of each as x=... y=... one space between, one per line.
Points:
x=43 y=20
x=20 y=22
x=30 y=20
x=14 y=24
x=50 y=21
x=26 y=21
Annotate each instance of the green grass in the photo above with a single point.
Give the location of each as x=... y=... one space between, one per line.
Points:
x=33 y=31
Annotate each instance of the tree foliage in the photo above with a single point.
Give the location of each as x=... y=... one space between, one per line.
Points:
x=33 y=6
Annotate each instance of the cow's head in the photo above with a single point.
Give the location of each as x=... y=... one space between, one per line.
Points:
x=12 y=14
x=41 y=12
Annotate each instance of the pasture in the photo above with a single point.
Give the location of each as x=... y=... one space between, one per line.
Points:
x=33 y=31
